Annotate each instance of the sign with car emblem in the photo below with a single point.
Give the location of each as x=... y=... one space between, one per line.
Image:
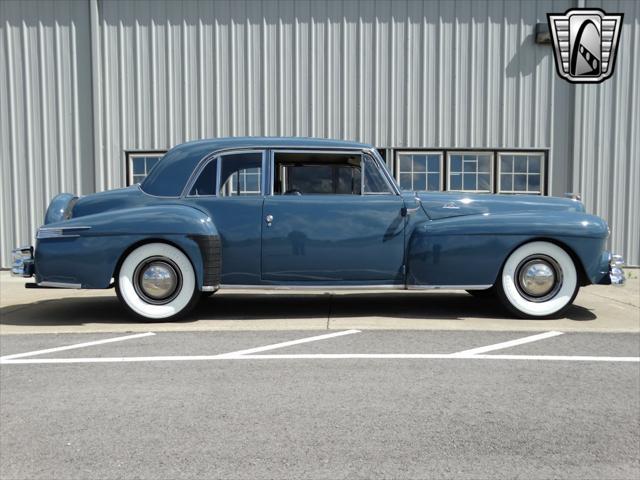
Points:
x=585 y=42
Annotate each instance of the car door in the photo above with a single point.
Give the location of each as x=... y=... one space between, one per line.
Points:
x=347 y=228
x=235 y=207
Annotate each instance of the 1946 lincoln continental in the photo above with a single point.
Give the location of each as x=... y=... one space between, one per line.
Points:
x=310 y=213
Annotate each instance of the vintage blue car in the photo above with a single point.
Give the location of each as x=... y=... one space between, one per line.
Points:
x=310 y=213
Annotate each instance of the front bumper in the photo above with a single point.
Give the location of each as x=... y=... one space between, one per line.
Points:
x=23 y=262
x=616 y=273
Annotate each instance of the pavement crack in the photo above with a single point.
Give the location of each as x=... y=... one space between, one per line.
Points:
x=614 y=299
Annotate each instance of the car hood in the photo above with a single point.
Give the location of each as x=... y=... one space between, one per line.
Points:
x=446 y=205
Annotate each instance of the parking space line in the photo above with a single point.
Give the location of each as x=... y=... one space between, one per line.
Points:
x=289 y=343
x=74 y=346
x=510 y=343
x=322 y=356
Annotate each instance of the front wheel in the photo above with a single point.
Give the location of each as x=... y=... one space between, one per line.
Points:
x=156 y=281
x=538 y=280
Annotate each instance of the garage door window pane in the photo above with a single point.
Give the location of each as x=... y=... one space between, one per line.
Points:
x=534 y=164
x=140 y=165
x=470 y=172
x=420 y=171
x=521 y=173
x=456 y=163
x=406 y=181
x=506 y=181
x=420 y=182
x=520 y=164
x=455 y=181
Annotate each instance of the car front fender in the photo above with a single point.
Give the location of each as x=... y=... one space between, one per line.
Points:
x=470 y=250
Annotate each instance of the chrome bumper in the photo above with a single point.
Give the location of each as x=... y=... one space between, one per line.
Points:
x=23 y=263
x=616 y=273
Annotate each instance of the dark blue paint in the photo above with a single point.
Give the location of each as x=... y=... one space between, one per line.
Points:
x=333 y=238
x=238 y=219
x=441 y=238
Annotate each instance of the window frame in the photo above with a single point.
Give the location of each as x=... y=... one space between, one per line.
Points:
x=462 y=153
x=439 y=153
x=131 y=154
x=494 y=152
x=218 y=156
x=543 y=171
x=336 y=151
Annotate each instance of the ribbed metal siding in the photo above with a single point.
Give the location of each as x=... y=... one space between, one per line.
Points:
x=45 y=102
x=391 y=73
x=606 y=132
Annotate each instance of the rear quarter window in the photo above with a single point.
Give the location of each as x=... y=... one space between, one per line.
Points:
x=169 y=177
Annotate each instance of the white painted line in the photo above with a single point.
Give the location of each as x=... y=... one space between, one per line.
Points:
x=511 y=343
x=288 y=344
x=77 y=345
x=444 y=356
x=321 y=356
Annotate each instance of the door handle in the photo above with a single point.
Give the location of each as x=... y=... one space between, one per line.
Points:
x=405 y=211
x=269 y=220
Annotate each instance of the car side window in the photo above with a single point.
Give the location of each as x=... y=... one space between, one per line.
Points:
x=317 y=173
x=374 y=181
x=206 y=182
x=241 y=174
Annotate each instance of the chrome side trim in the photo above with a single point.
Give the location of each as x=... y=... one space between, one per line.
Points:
x=312 y=287
x=57 y=232
x=448 y=287
x=59 y=285
x=354 y=287
x=207 y=288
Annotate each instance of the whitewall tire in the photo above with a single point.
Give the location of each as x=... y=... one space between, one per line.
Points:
x=538 y=280
x=156 y=281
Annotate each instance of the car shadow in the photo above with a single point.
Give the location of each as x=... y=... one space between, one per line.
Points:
x=268 y=306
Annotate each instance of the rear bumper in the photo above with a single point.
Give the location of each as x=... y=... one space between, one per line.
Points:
x=23 y=263
x=616 y=273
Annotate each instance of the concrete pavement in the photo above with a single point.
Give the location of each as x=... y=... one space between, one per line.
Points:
x=321 y=418
x=597 y=308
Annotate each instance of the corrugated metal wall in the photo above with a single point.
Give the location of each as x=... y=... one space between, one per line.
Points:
x=46 y=143
x=85 y=81
x=606 y=136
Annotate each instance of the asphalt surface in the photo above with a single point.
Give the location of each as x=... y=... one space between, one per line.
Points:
x=321 y=417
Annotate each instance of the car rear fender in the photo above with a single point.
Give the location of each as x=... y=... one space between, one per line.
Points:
x=88 y=250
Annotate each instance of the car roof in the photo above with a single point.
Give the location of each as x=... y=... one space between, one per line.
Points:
x=273 y=142
x=171 y=174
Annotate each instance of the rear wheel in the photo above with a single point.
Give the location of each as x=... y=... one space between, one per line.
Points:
x=156 y=281
x=538 y=280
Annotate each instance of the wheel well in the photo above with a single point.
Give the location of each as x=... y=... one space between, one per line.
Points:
x=133 y=246
x=583 y=279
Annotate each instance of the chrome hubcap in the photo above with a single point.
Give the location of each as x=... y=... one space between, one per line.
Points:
x=538 y=278
x=157 y=280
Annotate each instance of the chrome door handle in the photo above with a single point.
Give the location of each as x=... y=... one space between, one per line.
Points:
x=269 y=220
